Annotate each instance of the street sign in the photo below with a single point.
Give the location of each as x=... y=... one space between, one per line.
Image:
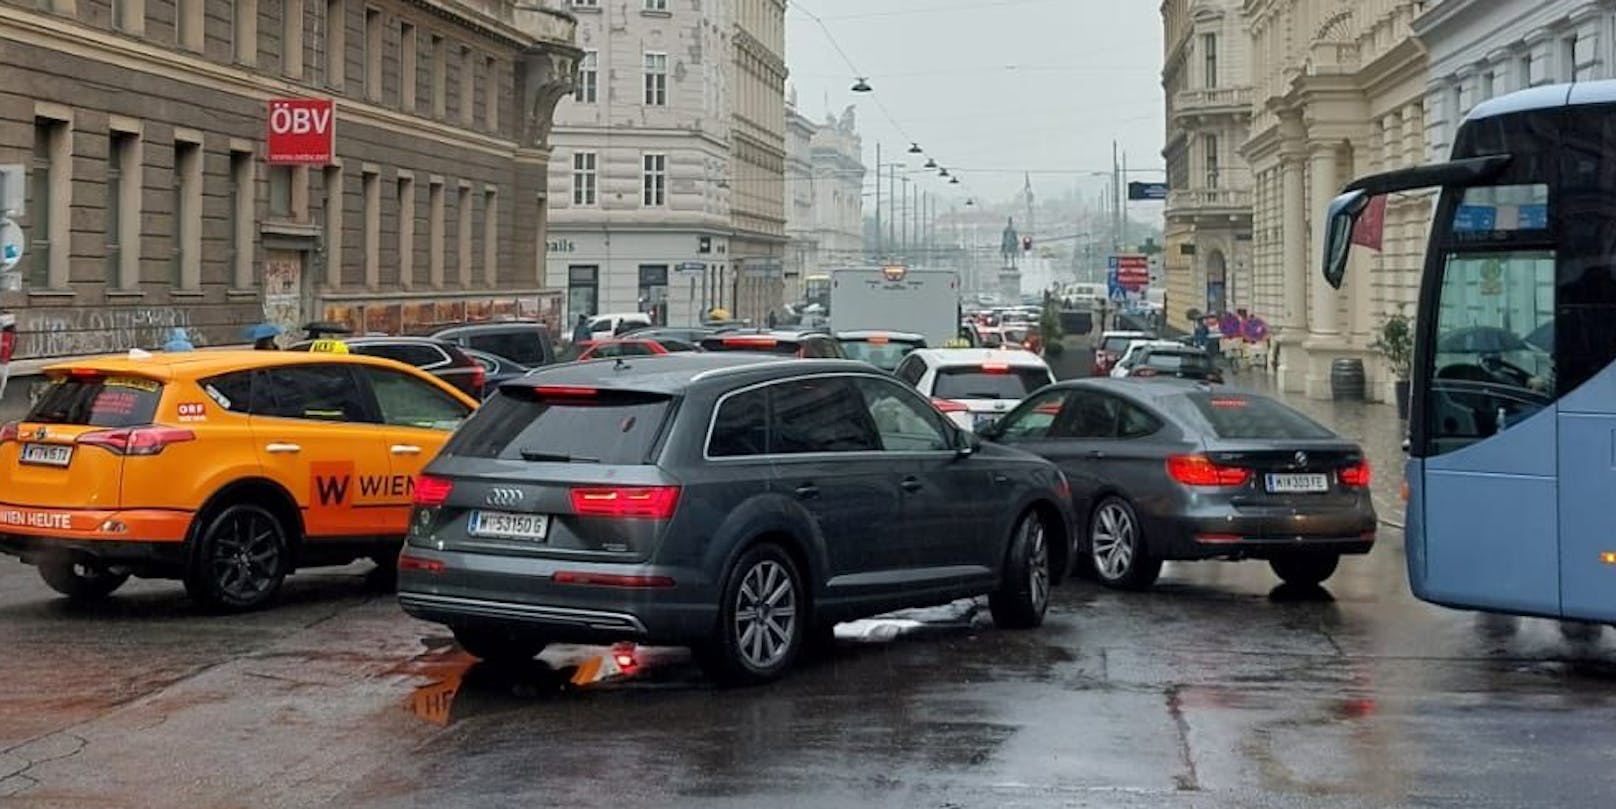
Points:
x=1147 y=191
x=1132 y=269
x=12 y=244
x=301 y=132
x=1113 y=288
x=691 y=267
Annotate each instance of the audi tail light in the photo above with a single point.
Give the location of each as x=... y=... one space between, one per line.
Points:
x=637 y=502
x=611 y=580
x=1356 y=476
x=1199 y=470
x=431 y=491
x=136 y=440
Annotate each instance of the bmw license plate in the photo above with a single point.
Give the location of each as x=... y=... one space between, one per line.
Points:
x=1298 y=483
x=505 y=525
x=46 y=454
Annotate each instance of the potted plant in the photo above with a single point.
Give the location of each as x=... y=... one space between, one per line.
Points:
x=1396 y=343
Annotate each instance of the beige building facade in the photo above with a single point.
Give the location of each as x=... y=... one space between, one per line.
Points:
x=151 y=205
x=1206 y=76
x=824 y=188
x=758 y=157
x=1339 y=92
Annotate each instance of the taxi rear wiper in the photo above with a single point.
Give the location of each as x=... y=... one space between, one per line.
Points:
x=536 y=455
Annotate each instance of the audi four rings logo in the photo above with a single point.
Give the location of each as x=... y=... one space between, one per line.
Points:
x=503 y=497
x=1301 y=459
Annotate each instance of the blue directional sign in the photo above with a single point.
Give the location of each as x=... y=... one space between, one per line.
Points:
x=1148 y=191
x=1113 y=285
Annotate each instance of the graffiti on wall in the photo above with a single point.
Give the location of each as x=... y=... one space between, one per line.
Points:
x=99 y=330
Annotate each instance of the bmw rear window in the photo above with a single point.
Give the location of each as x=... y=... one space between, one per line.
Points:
x=572 y=425
x=98 y=401
x=1246 y=416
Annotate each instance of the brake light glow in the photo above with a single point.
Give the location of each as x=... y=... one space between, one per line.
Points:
x=1356 y=476
x=1199 y=470
x=1218 y=539
x=751 y=342
x=878 y=339
x=416 y=563
x=611 y=580
x=8 y=432
x=949 y=406
x=995 y=368
x=136 y=440
x=642 y=502
x=432 y=492
x=1230 y=402
x=479 y=377
x=565 y=390
x=83 y=372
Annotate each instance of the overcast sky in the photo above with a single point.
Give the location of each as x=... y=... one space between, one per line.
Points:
x=993 y=88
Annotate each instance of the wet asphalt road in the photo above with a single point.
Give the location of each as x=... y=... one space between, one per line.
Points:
x=1218 y=689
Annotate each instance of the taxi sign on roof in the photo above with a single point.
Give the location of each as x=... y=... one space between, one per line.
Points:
x=328 y=347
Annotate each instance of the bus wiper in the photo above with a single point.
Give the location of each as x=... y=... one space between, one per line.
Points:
x=536 y=455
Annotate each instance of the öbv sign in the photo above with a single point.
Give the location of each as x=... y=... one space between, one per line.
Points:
x=301 y=131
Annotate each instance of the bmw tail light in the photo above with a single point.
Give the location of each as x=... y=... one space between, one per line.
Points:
x=1356 y=476
x=639 y=502
x=1199 y=470
x=432 y=492
x=137 y=440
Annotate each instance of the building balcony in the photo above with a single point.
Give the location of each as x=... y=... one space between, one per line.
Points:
x=1212 y=101
x=1209 y=202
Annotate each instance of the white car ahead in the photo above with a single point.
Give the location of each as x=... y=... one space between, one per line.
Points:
x=974 y=386
x=1134 y=351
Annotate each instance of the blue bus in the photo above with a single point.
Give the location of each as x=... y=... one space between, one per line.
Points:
x=1512 y=427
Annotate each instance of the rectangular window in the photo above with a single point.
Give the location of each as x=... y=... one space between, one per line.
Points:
x=188 y=24
x=280 y=191
x=50 y=185
x=333 y=224
x=241 y=219
x=468 y=86
x=373 y=54
x=129 y=16
x=123 y=210
x=187 y=215
x=406 y=66
x=491 y=93
x=244 y=29
x=1211 y=160
x=656 y=5
x=373 y=229
x=583 y=291
x=588 y=78
x=491 y=237
x=440 y=77
x=583 y=178
x=463 y=237
x=406 y=232
x=587 y=3
x=654 y=180
x=656 y=80
x=1209 y=54
x=1568 y=58
x=434 y=232
x=292 y=38
x=1488 y=86
x=336 y=39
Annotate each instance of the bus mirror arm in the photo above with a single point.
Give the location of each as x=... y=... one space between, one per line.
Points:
x=1342 y=218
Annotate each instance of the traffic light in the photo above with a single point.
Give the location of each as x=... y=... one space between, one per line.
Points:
x=1026 y=244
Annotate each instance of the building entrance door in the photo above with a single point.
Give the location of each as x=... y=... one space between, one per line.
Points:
x=287 y=290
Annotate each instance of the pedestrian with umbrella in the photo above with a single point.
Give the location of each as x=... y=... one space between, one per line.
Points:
x=262 y=336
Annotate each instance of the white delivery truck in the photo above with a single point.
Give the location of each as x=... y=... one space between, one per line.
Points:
x=898 y=299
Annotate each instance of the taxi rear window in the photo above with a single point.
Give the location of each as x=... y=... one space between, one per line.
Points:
x=98 y=401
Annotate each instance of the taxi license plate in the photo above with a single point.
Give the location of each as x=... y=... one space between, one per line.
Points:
x=504 y=525
x=46 y=454
x=1294 y=484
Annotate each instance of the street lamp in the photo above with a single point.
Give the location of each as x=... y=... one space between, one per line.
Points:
x=953 y=181
x=930 y=163
x=862 y=85
x=914 y=148
x=942 y=172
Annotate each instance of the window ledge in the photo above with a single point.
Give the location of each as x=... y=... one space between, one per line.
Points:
x=241 y=294
x=656 y=12
x=187 y=294
x=125 y=294
x=51 y=294
x=576 y=9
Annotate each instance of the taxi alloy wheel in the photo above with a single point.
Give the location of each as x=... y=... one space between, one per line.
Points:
x=80 y=579
x=241 y=559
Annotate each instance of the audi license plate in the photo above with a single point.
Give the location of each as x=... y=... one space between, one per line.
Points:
x=504 y=525
x=47 y=454
x=1298 y=484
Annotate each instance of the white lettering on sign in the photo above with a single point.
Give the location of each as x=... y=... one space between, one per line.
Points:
x=36 y=519
x=284 y=119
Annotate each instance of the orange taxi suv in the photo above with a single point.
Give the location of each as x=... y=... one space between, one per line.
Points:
x=224 y=469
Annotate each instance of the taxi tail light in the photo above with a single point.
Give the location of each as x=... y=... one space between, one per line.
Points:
x=9 y=432
x=1199 y=470
x=1356 y=476
x=636 y=502
x=949 y=406
x=432 y=492
x=137 y=440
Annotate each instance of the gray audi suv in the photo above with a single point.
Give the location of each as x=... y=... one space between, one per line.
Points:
x=739 y=504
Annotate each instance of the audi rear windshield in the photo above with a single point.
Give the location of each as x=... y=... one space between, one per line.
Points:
x=568 y=425
x=1246 y=416
x=98 y=401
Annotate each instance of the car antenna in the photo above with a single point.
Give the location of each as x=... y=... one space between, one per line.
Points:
x=619 y=365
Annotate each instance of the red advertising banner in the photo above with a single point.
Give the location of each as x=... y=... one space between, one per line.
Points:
x=302 y=132
x=1133 y=271
x=1371 y=225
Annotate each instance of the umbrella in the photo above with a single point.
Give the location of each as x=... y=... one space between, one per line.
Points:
x=321 y=328
x=1542 y=337
x=259 y=331
x=1481 y=340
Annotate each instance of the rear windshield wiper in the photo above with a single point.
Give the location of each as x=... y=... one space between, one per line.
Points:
x=536 y=455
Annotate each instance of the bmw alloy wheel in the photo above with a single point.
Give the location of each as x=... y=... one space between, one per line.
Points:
x=1113 y=537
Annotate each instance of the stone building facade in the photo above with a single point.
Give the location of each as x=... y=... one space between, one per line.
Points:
x=142 y=126
x=758 y=156
x=825 y=188
x=1207 y=238
x=1339 y=92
